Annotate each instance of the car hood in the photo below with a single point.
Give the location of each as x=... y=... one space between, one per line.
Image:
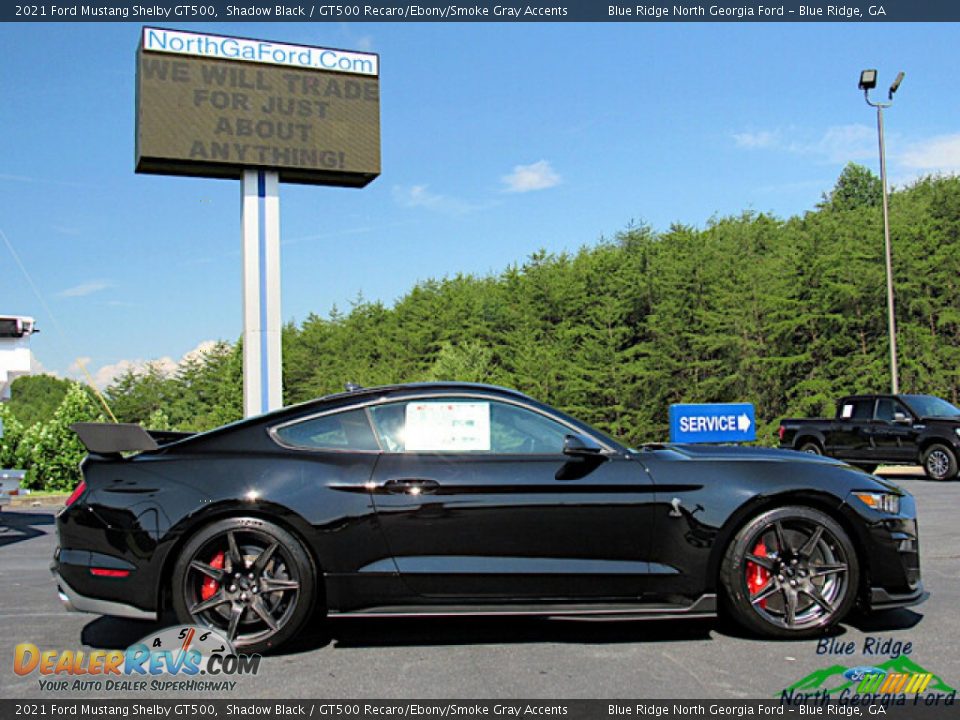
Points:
x=951 y=419
x=740 y=454
x=720 y=453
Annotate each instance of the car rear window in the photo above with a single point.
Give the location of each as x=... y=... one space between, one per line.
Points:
x=341 y=431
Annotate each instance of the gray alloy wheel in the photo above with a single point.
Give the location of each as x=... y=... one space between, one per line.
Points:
x=940 y=462
x=791 y=572
x=247 y=578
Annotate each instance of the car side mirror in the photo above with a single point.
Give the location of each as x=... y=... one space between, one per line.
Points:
x=899 y=417
x=580 y=446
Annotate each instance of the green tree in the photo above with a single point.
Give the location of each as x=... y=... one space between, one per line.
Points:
x=12 y=437
x=51 y=452
x=34 y=398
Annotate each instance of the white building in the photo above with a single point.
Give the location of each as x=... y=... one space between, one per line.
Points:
x=15 y=332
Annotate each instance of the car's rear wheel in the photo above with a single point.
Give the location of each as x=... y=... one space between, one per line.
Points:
x=248 y=578
x=811 y=448
x=791 y=572
x=940 y=462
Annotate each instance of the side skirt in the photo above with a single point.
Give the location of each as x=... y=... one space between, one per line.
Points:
x=703 y=607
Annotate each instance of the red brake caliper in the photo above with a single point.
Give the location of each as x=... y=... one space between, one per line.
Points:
x=210 y=586
x=757 y=576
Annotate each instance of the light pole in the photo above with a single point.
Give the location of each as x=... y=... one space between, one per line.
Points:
x=868 y=81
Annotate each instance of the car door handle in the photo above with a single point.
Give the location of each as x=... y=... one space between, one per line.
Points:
x=411 y=486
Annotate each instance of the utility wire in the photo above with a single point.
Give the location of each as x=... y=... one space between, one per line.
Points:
x=56 y=325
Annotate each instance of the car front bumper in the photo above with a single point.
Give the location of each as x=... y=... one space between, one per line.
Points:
x=880 y=599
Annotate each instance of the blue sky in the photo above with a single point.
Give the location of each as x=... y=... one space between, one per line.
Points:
x=498 y=139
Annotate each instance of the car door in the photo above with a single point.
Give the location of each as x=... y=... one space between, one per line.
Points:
x=893 y=440
x=477 y=500
x=849 y=436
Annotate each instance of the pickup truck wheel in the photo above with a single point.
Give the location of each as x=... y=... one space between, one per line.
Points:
x=940 y=462
x=811 y=447
x=791 y=572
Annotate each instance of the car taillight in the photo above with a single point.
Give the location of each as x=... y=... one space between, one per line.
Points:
x=109 y=572
x=75 y=495
x=781 y=432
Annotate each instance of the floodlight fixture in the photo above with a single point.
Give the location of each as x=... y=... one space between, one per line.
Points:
x=868 y=79
x=896 y=85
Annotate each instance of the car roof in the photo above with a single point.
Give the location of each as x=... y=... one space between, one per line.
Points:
x=402 y=387
x=348 y=397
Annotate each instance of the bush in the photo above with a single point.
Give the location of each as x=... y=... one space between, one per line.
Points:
x=50 y=451
x=12 y=435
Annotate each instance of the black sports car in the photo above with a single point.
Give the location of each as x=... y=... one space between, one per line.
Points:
x=454 y=498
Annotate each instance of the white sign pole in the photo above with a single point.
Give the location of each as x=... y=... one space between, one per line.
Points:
x=260 y=235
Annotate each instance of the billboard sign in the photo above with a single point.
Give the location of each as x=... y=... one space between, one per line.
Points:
x=212 y=106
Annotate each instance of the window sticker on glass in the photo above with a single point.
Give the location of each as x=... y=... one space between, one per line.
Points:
x=447 y=427
x=847 y=411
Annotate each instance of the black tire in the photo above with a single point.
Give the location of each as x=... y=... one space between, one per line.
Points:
x=257 y=613
x=811 y=573
x=811 y=447
x=940 y=462
x=866 y=467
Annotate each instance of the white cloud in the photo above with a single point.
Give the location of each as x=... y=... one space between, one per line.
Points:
x=37 y=368
x=856 y=142
x=525 y=178
x=87 y=288
x=363 y=42
x=937 y=154
x=106 y=374
x=418 y=196
x=761 y=139
x=840 y=143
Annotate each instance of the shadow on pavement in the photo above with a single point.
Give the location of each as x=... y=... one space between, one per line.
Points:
x=113 y=633
x=110 y=633
x=899 y=619
x=19 y=526
x=391 y=632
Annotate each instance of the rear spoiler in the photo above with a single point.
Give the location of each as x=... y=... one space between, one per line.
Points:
x=115 y=438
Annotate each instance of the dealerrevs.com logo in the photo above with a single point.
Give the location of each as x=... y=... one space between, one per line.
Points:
x=180 y=658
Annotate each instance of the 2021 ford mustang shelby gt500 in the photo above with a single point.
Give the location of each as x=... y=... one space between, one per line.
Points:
x=452 y=498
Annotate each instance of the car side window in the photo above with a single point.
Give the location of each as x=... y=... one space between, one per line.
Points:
x=516 y=430
x=885 y=409
x=466 y=425
x=340 y=431
x=862 y=409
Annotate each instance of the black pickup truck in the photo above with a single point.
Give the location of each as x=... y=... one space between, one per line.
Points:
x=871 y=430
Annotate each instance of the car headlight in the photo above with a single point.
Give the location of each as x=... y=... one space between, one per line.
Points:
x=884 y=502
x=957 y=431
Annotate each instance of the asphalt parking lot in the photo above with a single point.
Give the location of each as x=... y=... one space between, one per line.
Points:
x=504 y=658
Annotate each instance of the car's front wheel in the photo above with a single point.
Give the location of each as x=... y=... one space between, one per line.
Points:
x=791 y=572
x=247 y=578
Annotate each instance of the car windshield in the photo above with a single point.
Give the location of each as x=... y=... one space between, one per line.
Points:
x=930 y=406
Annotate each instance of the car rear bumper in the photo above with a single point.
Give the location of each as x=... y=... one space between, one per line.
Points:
x=77 y=602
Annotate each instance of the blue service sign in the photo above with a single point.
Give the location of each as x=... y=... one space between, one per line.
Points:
x=713 y=423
